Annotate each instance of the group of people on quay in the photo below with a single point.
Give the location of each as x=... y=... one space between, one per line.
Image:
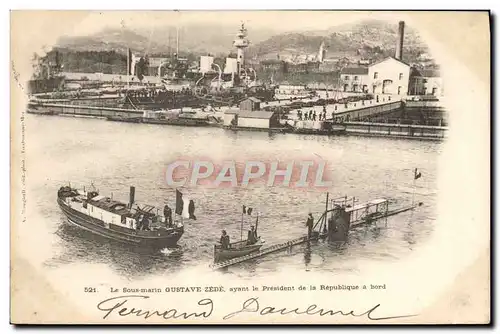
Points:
x=312 y=115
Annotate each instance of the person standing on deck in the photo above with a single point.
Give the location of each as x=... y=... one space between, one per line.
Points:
x=140 y=222
x=309 y=224
x=252 y=236
x=167 y=213
x=224 y=240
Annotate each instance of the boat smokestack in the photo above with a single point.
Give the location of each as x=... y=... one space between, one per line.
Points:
x=132 y=196
x=399 y=45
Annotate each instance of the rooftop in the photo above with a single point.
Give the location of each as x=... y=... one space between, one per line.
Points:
x=255 y=114
x=262 y=114
x=385 y=59
x=428 y=73
x=253 y=99
x=271 y=61
x=355 y=70
x=109 y=205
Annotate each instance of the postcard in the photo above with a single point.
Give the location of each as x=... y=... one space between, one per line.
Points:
x=250 y=167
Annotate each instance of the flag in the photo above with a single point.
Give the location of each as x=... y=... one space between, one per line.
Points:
x=417 y=174
x=179 y=202
x=246 y=210
x=184 y=206
x=191 y=210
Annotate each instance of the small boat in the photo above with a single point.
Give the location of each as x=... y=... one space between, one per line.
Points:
x=242 y=247
x=236 y=249
x=138 y=225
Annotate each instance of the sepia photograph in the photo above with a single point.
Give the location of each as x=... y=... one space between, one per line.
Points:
x=250 y=167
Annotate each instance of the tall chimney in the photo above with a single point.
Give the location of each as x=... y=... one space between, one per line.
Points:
x=132 y=197
x=401 y=36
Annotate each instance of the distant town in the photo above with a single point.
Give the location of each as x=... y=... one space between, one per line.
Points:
x=372 y=90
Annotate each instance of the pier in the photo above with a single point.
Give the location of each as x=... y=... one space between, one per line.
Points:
x=334 y=229
x=81 y=110
x=407 y=131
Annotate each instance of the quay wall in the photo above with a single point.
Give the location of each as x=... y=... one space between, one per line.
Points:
x=350 y=127
x=85 y=110
x=396 y=130
x=353 y=110
x=367 y=110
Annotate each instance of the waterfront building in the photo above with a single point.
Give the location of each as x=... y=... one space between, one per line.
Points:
x=426 y=82
x=257 y=119
x=389 y=76
x=250 y=104
x=355 y=79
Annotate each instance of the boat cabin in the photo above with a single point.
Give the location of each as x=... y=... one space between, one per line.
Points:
x=112 y=212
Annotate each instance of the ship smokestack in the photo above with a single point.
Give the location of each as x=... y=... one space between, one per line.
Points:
x=132 y=196
x=399 y=45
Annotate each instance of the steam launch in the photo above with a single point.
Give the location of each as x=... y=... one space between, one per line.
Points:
x=129 y=223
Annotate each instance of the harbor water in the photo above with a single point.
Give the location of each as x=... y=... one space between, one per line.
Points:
x=114 y=156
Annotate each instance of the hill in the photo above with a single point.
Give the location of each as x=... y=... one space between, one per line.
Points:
x=105 y=51
x=366 y=38
x=200 y=39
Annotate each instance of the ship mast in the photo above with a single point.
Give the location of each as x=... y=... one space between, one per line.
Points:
x=128 y=67
x=177 y=46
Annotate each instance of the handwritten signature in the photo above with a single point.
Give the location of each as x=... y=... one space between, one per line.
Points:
x=252 y=305
x=113 y=304
x=121 y=306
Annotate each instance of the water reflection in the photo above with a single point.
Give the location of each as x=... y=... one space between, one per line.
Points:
x=307 y=254
x=126 y=260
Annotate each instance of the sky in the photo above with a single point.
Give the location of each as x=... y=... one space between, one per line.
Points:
x=279 y=21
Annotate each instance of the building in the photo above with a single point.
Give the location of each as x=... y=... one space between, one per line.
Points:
x=250 y=104
x=292 y=91
x=274 y=65
x=231 y=65
x=257 y=119
x=328 y=66
x=389 y=76
x=355 y=79
x=306 y=67
x=206 y=64
x=426 y=82
x=241 y=43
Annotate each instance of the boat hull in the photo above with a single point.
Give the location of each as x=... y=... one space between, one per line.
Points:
x=228 y=254
x=178 y=122
x=142 y=239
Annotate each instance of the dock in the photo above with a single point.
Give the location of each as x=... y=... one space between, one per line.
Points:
x=362 y=214
x=261 y=253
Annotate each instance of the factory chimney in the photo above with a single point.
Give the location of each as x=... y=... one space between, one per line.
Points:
x=399 y=45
